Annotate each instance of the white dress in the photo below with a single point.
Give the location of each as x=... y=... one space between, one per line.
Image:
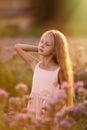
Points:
x=45 y=83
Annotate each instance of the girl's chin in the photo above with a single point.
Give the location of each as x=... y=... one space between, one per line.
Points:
x=41 y=53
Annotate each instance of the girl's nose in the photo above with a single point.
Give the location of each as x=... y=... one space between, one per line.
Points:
x=42 y=45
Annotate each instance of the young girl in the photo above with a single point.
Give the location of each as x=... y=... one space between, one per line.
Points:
x=51 y=71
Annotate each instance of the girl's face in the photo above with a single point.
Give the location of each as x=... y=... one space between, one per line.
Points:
x=46 y=45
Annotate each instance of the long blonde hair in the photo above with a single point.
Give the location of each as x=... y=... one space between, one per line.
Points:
x=62 y=58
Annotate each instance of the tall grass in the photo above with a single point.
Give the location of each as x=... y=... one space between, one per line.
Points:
x=13 y=72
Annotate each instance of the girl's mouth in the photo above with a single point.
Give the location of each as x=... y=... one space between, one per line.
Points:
x=41 y=50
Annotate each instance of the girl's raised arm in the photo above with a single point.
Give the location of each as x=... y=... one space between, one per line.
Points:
x=23 y=50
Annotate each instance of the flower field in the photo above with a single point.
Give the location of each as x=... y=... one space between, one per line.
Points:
x=15 y=86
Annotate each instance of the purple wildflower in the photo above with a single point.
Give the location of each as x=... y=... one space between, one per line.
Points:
x=85 y=103
x=21 y=88
x=16 y=103
x=65 y=85
x=3 y=97
x=3 y=93
x=67 y=123
x=22 y=119
x=60 y=115
x=82 y=92
x=59 y=94
x=76 y=112
x=79 y=84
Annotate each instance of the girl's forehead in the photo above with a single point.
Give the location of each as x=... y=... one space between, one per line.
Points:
x=47 y=36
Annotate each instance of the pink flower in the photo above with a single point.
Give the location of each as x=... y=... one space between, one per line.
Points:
x=67 y=123
x=60 y=115
x=22 y=119
x=59 y=95
x=47 y=121
x=3 y=93
x=58 y=100
x=9 y=118
x=64 y=85
x=79 y=84
x=21 y=88
x=82 y=92
x=24 y=110
x=76 y=112
x=85 y=103
x=16 y=103
x=3 y=96
x=86 y=69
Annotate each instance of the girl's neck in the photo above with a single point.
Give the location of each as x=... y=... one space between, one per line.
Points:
x=47 y=60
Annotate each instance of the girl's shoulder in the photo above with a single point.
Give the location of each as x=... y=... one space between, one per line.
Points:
x=52 y=68
x=35 y=64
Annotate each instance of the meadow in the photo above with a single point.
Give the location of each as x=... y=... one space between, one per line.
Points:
x=16 y=83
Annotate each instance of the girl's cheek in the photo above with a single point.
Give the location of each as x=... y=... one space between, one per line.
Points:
x=39 y=44
x=38 y=47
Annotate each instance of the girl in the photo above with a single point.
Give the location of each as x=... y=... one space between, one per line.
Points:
x=51 y=71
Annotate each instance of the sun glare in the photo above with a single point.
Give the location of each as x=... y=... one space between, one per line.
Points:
x=81 y=11
x=78 y=18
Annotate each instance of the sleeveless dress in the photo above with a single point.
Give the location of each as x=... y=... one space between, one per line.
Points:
x=45 y=83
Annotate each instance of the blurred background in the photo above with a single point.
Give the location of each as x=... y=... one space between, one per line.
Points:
x=68 y=16
x=23 y=21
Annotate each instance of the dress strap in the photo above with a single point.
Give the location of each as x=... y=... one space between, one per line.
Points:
x=57 y=70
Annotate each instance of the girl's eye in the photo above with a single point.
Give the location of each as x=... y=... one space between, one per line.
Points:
x=47 y=44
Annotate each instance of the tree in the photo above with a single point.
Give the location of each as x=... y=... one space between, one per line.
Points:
x=44 y=10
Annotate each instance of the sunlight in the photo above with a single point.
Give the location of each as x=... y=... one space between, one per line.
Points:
x=80 y=12
x=77 y=18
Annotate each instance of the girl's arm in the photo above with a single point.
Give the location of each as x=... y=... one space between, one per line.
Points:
x=23 y=50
